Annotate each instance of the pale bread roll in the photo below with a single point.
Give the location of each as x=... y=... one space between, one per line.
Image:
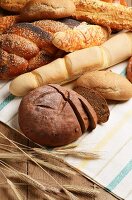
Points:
x=111 y=85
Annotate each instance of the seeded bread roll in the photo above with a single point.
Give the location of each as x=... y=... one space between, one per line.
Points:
x=97 y=101
x=111 y=85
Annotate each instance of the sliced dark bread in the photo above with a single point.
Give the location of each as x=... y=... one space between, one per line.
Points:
x=72 y=98
x=97 y=101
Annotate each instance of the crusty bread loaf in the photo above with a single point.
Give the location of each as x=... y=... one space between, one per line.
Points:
x=105 y=14
x=47 y=9
x=75 y=64
x=82 y=36
x=129 y=70
x=52 y=115
x=111 y=85
x=13 y=5
x=46 y=118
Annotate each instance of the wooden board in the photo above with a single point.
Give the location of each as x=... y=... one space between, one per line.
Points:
x=29 y=193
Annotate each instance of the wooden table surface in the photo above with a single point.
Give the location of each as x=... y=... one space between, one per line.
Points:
x=30 y=193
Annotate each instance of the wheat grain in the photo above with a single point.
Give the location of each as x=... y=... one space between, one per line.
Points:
x=81 y=190
x=55 y=168
x=14 y=189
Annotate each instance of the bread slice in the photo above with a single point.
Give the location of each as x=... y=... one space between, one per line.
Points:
x=72 y=98
x=97 y=101
x=69 y=95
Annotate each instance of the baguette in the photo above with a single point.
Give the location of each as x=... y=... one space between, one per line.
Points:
x=105 y=14
x=75 y=64
x=111 y=85
x=80 y=37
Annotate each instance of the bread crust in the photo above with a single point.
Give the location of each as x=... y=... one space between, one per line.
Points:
x=30 y=41
x=13 y=5
x=46 y=118
x=111 y=85
x=129 y=70
x=94 y=11
x=97 y=101
x=82 y=36
x=47 y=9
x=7 y=21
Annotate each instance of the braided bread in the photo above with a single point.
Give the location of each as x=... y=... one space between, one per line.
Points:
x=26 y=46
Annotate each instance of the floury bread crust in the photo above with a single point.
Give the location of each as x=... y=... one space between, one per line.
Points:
x=48 y=9
x=111 y=85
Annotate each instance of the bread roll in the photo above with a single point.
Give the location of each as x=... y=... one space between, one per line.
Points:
x=47 y=9
x=111 y=85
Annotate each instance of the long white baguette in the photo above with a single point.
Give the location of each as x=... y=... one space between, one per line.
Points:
x=73 y=65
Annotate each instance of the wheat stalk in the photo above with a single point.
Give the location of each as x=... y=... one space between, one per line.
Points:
x=79 y=154
x=69 y=146
x=12 y=156
x=55 y=168
x=14 y=189
x=81 y=190
x=28 y=179
x=49 y=197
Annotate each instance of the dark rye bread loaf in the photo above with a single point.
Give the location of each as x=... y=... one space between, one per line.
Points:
x=97 y=101
x=54 y=116
x=46 y=118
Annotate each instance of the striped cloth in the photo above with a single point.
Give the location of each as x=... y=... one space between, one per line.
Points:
x=112 y=140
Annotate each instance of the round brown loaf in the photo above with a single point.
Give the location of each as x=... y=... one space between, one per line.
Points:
x=46 y=118
x=48 y=9
x=54 y=116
